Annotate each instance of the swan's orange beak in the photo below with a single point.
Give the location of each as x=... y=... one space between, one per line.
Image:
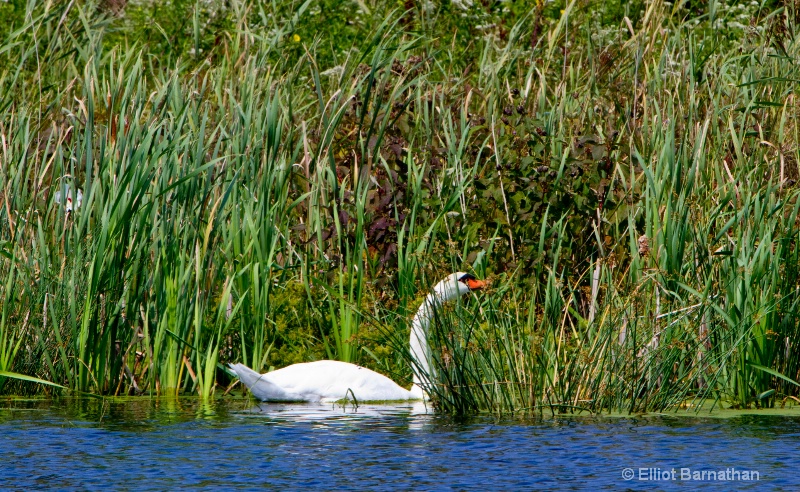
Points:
x=475 y=284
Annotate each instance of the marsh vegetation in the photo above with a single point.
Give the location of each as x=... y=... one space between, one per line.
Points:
x=271 y=183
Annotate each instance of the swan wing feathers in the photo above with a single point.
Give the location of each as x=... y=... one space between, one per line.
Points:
x=325 y=380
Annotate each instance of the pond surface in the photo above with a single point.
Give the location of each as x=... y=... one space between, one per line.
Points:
x=145 y=444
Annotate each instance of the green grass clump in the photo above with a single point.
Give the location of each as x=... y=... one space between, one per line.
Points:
x=271 y=183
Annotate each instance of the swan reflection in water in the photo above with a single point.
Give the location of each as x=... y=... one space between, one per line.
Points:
x=345 y=411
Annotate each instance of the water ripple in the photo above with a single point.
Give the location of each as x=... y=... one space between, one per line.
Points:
x=157 y=445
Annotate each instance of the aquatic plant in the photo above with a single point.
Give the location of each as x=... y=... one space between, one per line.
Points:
x=625 y=174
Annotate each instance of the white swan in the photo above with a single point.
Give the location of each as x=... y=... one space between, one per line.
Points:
x=331 y=380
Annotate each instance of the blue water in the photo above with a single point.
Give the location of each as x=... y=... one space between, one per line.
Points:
x=147 y=444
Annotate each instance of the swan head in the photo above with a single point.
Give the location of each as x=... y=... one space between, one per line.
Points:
x=456 y=285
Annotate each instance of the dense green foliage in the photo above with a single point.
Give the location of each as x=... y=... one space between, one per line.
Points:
x=271 y=183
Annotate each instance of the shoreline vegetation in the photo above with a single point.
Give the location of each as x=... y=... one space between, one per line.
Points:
x=279 y=182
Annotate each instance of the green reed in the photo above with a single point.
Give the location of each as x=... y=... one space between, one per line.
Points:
x=628 y=185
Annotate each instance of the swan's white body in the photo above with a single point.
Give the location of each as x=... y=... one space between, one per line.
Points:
x=323 y=380
x=330 y=380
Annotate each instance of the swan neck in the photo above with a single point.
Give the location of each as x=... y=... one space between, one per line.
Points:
x=417 y=393
x=420 y=352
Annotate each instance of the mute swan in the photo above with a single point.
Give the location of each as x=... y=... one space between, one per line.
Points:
x=331 y=380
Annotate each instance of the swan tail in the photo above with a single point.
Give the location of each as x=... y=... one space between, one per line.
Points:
x=259 y=385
